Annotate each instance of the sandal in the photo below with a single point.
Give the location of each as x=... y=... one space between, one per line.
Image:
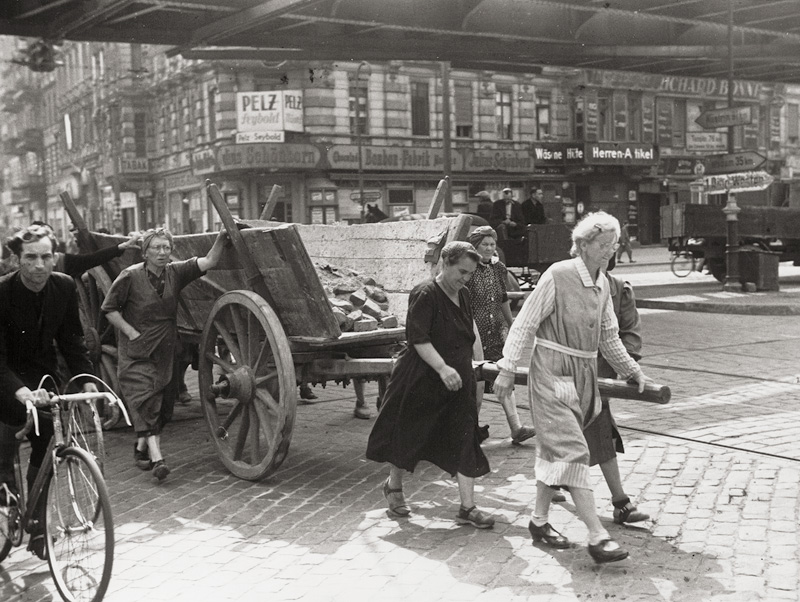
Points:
x=626 y=512
x=523 y=434
x=396 y=500
x=476 y=518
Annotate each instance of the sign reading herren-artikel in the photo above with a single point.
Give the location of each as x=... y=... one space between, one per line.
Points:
x=620 y=153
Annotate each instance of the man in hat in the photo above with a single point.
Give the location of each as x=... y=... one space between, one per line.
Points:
x=507 y=217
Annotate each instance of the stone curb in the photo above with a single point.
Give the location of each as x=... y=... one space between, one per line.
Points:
x=720 y=308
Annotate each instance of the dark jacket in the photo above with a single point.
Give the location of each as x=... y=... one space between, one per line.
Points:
x=533 y=212
x=28 y=335
x=499 y=215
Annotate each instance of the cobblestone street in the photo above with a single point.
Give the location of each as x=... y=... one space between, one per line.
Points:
x=717 y=469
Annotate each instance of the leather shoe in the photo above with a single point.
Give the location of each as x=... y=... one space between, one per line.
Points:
x=523 y=433
x=607 y=551
x=548 y=535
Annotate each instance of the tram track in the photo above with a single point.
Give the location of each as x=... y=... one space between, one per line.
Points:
x=718 y=373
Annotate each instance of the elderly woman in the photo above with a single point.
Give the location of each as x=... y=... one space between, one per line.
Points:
x=143 y=305
x=429 y=410
x=492 y=309
x=567 y=319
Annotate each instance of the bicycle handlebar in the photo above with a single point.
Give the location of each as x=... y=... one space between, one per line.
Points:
x=32 y=420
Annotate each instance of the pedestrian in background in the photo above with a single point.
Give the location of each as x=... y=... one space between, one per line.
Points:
x=566 y=320
x=624 y=244
x=429 y=411
x=492 y=310
x=142 y=304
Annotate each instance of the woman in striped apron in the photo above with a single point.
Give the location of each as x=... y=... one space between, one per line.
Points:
x=566 y=320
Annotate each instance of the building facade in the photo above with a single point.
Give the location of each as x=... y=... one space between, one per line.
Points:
x=133 y=135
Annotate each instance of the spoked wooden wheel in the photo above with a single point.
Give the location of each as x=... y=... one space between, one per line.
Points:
x=247 y=383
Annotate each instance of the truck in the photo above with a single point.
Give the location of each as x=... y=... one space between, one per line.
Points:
x=702 y=230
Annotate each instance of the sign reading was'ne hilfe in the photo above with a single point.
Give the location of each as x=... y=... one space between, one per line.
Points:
x=268 y=111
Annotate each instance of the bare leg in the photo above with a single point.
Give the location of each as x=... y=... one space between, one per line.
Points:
x=395 y=477
x=466 y=489
x=610 y=470
x=154 y=446
x=361 y=410
x=584 y=504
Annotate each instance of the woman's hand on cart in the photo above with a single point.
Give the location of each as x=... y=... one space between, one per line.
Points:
x=504 y=385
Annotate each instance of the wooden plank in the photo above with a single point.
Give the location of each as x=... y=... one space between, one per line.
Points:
x=438 y=197
x=272 y=200
x=86 y=242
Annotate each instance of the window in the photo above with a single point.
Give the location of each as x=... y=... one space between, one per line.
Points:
x=322 y=206
x=463 y=110
x=140 y=134
x=604 y=117
x=212 y=114
x=679 y=123
x=635 y=117
x=420 y=109
x=542 y=117
x=580 y=111
x=792 y=122
x=359 y=108
x=136 y=58
x=503 y=113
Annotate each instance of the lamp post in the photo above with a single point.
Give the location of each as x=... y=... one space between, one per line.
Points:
x=361 y=65
x=731 y=209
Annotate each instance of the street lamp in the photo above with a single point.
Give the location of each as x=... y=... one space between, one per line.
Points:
x=359 y=133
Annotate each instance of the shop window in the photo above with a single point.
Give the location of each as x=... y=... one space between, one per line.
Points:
x=420 y=109
x=503 y=113
x=322 y=206
x=580 y=111
x=283 y=208
x=401 y=201
x=635 y=117
x=463 y=109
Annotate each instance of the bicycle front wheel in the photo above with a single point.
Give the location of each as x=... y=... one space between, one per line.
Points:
x=85 y=430
x=79 y=527
x=682 y=264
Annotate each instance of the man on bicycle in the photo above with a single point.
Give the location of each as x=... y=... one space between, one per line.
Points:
x=38 y=313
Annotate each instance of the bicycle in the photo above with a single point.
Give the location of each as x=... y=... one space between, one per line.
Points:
x=78 y=523
x=683 y=263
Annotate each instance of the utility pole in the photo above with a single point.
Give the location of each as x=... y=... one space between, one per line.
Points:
x=446 y=139
x=731 y=209
x=359 y=133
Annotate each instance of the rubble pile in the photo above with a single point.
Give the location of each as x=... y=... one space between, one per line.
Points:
x=359 y=303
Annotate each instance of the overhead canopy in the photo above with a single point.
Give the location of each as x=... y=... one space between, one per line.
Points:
x=676 y=37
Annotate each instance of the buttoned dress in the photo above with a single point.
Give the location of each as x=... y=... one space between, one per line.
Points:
x=144 y=365
x=566 y=320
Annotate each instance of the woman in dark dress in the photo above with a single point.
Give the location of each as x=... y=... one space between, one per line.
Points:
x=429 y=411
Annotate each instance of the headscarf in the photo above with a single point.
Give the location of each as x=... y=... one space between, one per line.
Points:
x=479 y=233
x=149 y=235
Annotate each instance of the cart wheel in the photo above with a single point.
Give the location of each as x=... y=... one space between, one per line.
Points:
x=250 y=409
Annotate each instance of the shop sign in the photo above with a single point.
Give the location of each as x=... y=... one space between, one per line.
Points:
x=204 y=162
x=127 y=200
x=679 y=166
x=744 y=161
x=702 y=87
x=498 y=160
x=277 y=156
x=396 y=158
x=557 y=153
x=737 y=182
x=269 y=111
x=709 y=142
x=722 y=118
x=135 y=165
x=619 y=153
x=260 y=137
x=184 y=179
